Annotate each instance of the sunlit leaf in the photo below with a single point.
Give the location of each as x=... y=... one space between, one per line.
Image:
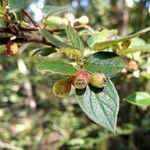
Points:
x=104 y=35
x=142 y=48
x=139 y=98
x=106 y=44
x=55 y=66
x=74 y=38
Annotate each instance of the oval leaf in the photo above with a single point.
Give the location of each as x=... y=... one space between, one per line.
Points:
x=50 y=38
x=107 y=62
x=55 y=66
x=100 y=105
x=139 y=98
x=74 y=38
x=142 y=48
x=102 y=36
x=108 y=43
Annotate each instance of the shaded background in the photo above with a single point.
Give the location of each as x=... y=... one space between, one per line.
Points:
x=32 y=118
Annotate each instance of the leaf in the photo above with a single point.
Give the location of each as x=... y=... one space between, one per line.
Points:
x=50 y=10
x=139 y=98
x=104 y=35
x=107 y=62
x=74 y=38
x=55 y=21
x=50 y=38
x=106 y=44
x=44 y=51
x=142 y=48
x=54 y=66
x=100 y=105
x=16 y=5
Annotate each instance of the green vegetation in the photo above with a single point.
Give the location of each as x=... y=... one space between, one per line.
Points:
x=109 y=38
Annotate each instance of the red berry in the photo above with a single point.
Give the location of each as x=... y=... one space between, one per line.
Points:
x=132 y=65
x=80 y=79
x=62 y=88
x=98 y=80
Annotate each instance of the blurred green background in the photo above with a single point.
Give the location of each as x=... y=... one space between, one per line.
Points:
x=32 y=118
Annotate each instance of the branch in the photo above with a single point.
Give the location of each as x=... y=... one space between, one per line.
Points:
x=26 y=13
x=78 y=27
x=22 y=37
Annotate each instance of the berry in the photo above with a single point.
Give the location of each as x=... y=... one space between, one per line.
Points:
x=80 y=79
x=83 y=20
x=62 y=88
x=12 y=48
x=98 y=80
x=125 y=44
x=132 y=65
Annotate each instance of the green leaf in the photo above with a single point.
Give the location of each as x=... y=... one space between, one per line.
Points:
x=142 y=48
x=16 y=5
x=50 y=38
x=102 y=36
x=139 y=98
x=106 y=44
x=74 y=38
x=107 y=62
x=55 y=66
x=44 y=51
x=100 y=105
x=55 y=21
x=50 y=10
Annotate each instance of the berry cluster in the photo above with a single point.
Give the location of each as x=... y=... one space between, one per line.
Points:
x=79 y=80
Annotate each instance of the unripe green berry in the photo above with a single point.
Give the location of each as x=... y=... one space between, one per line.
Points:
x=80 y=79
x=62 y=88
x=125 y=44
x=83 y=20
x=98 y=80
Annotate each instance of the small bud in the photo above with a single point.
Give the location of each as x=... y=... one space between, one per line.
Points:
x=125 y=44
x=83 y=20
x=98 y=80
x=80 y=79
x=132 y=65
x=62 y=88
x=11 y=48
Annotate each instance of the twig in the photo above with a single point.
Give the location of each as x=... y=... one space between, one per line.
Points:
x=25 y=39
x=33 y=28
x=22 y=37
x=31 y=19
